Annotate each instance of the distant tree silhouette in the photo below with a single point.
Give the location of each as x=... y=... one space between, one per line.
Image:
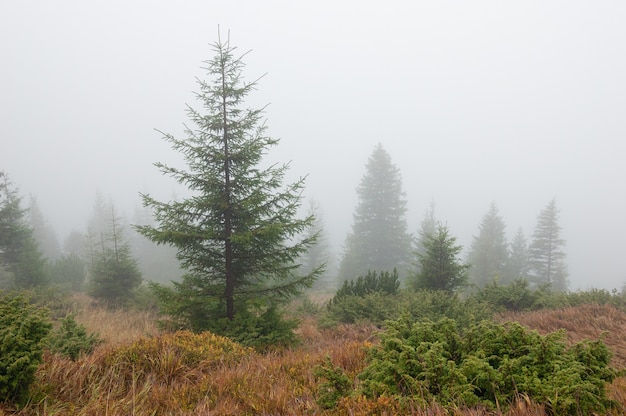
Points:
x=379 y=240
x=547 y=258
x=518 y=263
x=488 y=253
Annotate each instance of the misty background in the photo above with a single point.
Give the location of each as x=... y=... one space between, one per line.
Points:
x=510 y=102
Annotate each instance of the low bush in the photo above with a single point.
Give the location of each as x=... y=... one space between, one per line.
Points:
x=378 y=307
x=516 y=296
x=372 y=282
x=71 y=339
x=489 y=365
x=519 y=296
x=23 y=328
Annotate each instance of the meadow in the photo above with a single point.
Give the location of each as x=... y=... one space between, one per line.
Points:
x=139 y=370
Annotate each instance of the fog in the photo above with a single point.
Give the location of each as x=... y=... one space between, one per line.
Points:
x=511 y=102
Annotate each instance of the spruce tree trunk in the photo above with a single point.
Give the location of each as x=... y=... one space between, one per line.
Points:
x=228 y=230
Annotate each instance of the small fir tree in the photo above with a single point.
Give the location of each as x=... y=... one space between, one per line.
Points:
x=114 y=273
x=20 y=257
x=440 y=267
x=428 y=226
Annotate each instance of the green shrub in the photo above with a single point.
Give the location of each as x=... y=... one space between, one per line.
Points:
x=437 y=304
x=23 y=327
x=519 y=296
x=268 y=329
x=335 y=384
x=488 y=364
x=378 y=307
x=516 y=296
x=71 y=339
x=372 y=282
x=374 y=307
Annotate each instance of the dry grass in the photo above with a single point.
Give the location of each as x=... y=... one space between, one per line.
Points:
x=115 y=327
x=581 y=322
x=138 y=371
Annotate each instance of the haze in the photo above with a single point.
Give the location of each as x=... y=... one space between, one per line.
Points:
x=511 y=102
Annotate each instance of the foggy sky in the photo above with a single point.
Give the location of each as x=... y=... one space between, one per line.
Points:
x=511 y=102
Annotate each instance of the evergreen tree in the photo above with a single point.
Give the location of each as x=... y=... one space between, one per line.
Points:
x=44 y=234
x=440 y=267
x=114 y=274
x=236 y=237
x=76 y=243
x=20 y=258
x=547 y=259
x=318 y=253
x=379 y=240
x=518 y=263
x=488 y=254
x=428 y=226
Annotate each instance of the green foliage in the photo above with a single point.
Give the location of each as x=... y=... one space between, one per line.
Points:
x=369 y=298
x=384 y=282
x=375 y=307
x=516 y=296
x=20 y=258
x=237 y=237
x=71 y=339
x=254 y=325
x=114 y=272
x=23 y=328
x=487 y=364
x=435 y=305
x=263 y=331
x=335 y=385
x=439 y=264
x=379 y=307
x=520 y=296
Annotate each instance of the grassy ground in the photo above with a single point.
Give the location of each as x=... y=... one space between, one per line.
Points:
x=138 y=371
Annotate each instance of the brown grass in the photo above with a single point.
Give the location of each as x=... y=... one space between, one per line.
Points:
x=115 y=327
x=581 y=322
x=139 y=371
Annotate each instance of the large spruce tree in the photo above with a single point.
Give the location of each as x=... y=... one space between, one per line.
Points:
x=236 y=234
x=379 y=240
x=488 y=253
x=547 y=258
